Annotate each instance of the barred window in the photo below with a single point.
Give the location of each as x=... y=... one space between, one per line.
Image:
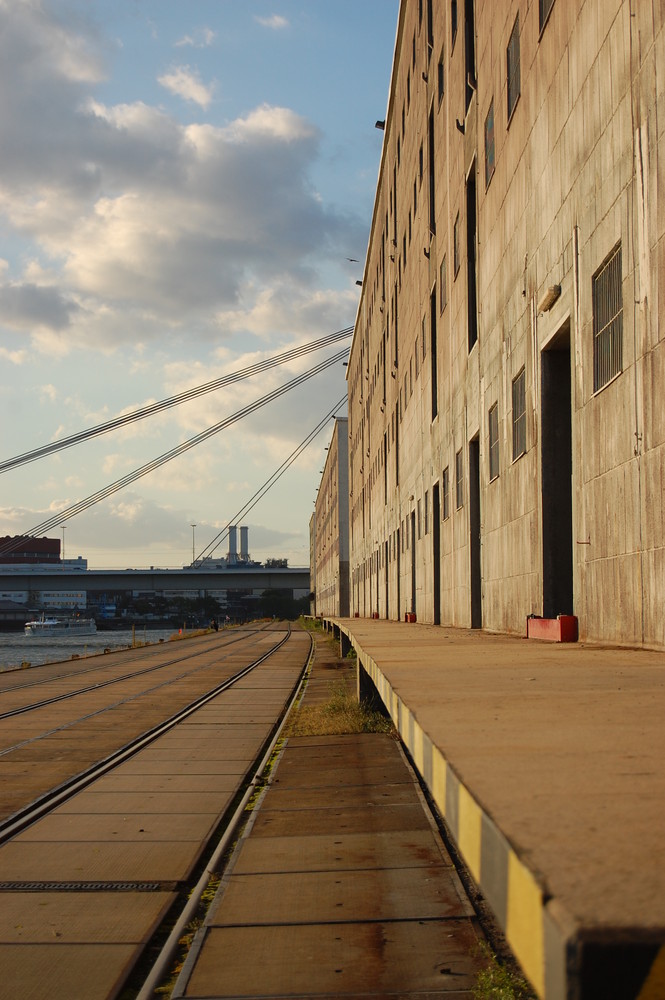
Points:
x=545 y=6
x=513 y=61
x=446 y=494
x=489 y=144
x=519 y=415
x=493 y=420
x=459 y=480
x=607 y=321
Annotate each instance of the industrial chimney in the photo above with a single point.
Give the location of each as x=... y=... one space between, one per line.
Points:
x=232 y=555
x=244 y=544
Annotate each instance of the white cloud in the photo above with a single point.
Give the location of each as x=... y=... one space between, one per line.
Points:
x=202 y=38
x=186 y=83
x=275 y=21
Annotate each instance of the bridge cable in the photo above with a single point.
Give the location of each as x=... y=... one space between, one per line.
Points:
x=269 y=483
x=131 y=477
x=151 y=408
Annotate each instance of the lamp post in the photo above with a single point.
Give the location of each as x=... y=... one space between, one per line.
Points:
x=193 y=543
x=63 y=543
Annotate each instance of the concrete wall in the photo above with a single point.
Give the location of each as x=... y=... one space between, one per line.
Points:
x=576 y=174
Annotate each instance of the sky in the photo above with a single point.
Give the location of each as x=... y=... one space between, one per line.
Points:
x=182 y=183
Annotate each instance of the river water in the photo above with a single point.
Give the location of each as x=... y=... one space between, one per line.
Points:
x=16 y=648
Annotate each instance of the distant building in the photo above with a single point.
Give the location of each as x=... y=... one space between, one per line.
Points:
x=25 y=549
x=507 y=372
x=331 y=524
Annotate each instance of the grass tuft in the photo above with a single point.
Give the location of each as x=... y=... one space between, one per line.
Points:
x=340 y=715
x=499 y=982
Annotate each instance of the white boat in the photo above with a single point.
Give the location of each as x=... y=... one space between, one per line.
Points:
x=53 y=627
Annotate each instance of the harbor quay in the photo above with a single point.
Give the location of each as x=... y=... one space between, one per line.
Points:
x=547 y=764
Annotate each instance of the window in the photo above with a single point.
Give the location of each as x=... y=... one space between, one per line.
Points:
x=446 y=494
x=456 y=260
x=443 y=284
x=489 y=144
x=607 y=321
x=423 y=336
x=426 y=512
x=519 y=415
x=453 y=21
x=513 y=61
x=494 y=441
x=545 y=6
x=440 y=78
x=459 y=480
x=420 y=518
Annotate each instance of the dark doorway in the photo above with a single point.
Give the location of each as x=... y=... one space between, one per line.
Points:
x=557 y=471
x=436 y=552
x=398 y=570
x=474 y=534
x=413 y=561
x=386 y=560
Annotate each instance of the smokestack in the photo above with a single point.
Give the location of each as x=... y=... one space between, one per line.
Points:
x=244 y=544
x=232 y=554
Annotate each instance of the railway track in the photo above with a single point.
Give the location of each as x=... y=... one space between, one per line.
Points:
x=138 y=792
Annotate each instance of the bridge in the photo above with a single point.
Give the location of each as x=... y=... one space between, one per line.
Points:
x=160 y=580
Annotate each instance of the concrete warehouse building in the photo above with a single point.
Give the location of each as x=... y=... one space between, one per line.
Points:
x=329 y=570
x=507 y=373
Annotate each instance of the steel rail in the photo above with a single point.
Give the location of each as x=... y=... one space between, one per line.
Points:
x=102 y=684
x=23 y=818
x=160 y=967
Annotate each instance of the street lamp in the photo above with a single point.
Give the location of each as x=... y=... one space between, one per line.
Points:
x=193 y=526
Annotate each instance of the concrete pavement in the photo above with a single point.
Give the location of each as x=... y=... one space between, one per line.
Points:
x=547 y=763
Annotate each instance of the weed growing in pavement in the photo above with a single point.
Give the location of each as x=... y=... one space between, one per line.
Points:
x=499 y=982
x=341 y=714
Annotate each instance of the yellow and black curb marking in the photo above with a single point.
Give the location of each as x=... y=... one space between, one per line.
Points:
x=561 y=959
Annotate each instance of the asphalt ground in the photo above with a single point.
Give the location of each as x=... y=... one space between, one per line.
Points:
x=547 y=763
x=341 y=885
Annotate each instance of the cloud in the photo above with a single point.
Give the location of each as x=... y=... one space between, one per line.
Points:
x=26 y=306
x=138 y=225
x=201 y=39
x=186 y=83
x=275 y=21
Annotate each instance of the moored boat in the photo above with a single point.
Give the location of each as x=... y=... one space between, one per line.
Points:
x=53 y=627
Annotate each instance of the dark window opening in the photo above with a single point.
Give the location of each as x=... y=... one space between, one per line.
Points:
x=459 y=480
x=544 y=8
x=513 y=61
x=493 y=420
x=607 y=321
x=443 y=283
x=469 y=50
x=489 y=145
x=471 y=236
x=446 y=494
x=433 y=354
x=432 y=173
x=519 y=415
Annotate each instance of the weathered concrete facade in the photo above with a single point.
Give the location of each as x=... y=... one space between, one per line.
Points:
x=330 y=566
x=506 y=378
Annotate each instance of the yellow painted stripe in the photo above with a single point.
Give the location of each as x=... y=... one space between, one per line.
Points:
x=524 y=923
x=417 y=751
x=654 y=984
x=438 y=788
x=469 y=831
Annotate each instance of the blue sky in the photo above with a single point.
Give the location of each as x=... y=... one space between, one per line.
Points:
x=181 y=185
